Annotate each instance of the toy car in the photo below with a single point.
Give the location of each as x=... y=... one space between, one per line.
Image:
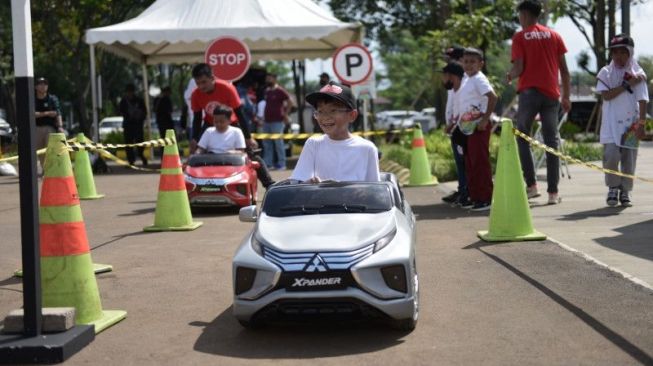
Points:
x=227 y=179
x=328 y=250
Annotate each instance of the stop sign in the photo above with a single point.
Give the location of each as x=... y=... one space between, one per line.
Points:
x=228 y=57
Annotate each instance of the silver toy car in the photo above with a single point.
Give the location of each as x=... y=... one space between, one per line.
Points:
x=328 y=250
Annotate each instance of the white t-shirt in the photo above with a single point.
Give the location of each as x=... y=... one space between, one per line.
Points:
x=353 y=159
x=470 y=102
x=620 y=113
x=216 y=142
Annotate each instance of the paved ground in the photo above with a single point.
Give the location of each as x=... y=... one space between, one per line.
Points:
x=501 y=304
x=618 y=237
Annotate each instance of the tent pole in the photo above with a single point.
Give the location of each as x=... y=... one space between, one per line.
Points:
x=146 y=97
x=94 y=127
x=298 y=96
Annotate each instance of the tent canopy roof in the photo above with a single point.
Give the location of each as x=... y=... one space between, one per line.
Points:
x=178 y=31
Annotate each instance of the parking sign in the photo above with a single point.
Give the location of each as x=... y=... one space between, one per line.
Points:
x=352 y=63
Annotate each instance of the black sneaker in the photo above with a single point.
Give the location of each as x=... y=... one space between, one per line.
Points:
x=613 y=197
x=624 y=199
x=465 y=203
x=451 y=198
x=481 y=206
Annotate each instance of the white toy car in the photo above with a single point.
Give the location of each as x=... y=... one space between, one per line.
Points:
x=328 y=250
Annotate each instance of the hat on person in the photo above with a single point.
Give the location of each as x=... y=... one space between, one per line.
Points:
x=473 y=51
x=454 y=69
x=325 y=75
x=621 y=40
x=335 y=91
x=41 y=80
x=455 y=52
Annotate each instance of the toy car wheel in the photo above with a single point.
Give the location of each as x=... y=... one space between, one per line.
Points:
x=250 y=324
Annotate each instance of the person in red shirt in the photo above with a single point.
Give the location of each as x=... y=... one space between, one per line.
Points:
x=277 y=107
x=538 y=56
x=210 y=93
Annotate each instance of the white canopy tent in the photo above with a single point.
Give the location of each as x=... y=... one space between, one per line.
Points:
x=178 y=31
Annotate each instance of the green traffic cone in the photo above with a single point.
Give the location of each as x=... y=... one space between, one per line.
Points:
x=510 y=215
x=172 y=207
x=67 y=278
x=84 y=173
x=420 y=169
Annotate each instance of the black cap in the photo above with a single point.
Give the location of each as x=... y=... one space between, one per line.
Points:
x=335 y=91
x=325 y=75
x=621 y=40
x=41 y=80
x=455 y=52
x=454 y=69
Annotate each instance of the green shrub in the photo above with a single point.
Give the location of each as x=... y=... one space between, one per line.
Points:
x=114 y=137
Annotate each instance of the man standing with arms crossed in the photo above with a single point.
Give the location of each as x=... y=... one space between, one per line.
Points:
x=538 y=55
x=48 y=116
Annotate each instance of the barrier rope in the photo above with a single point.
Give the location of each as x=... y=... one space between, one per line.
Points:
x=568 y=158
x=302 y=136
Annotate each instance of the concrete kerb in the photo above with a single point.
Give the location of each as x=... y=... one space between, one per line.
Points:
x=591 y=259
x=402 y=173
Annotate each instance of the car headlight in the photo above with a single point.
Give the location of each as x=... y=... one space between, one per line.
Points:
x=385 y=240
x=257 y=246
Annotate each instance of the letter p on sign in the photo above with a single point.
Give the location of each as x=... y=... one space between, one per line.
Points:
x=228 y=57
x=352 y=63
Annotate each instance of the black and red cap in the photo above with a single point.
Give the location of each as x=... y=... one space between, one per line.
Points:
x=621 y=40
x=333 y=91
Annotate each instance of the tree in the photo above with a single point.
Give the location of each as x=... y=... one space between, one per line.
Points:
x=60 y=53
x=383 y=20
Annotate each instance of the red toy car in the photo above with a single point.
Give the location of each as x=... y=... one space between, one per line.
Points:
x=227 y=179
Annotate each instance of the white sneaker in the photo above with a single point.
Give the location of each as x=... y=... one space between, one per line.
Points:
x=554 y=199
x=532 y=192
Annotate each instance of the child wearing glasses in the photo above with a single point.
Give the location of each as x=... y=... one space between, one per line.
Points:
x=337 y=155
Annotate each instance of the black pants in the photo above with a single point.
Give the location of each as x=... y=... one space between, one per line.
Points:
x=134 y=134
x=262 y=172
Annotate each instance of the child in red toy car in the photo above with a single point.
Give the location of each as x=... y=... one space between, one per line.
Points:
x=222 y=137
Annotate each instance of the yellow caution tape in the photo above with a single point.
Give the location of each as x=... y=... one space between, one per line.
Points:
x=302 y=136
x=557 y=153
x=78 y=146
x=110 y=156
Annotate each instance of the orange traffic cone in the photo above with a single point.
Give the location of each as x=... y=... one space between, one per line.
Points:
x=67 y=278
x=172 y=207
x=420 y=169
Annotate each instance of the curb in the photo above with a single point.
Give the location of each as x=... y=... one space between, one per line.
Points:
x=402 y=173
x=593 y=260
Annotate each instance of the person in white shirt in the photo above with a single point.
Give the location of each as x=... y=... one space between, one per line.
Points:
x=222 y=137
x=473 y=105
x=622 y=85
x=337 y=155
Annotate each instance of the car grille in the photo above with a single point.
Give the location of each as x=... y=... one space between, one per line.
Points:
x=291 y=262
x=341 y=308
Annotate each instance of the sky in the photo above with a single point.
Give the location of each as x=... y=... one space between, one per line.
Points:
x=641 y=25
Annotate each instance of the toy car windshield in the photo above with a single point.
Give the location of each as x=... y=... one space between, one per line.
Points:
x=216 y=160
x=330 y=198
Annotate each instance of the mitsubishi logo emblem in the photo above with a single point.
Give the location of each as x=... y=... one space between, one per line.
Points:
x=316 y=264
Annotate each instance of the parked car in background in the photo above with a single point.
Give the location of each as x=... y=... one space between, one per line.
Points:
x=395 y=119
x=426 y=119
x=110 y=124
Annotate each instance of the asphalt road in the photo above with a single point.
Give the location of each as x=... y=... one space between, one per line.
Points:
x=499 y=304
